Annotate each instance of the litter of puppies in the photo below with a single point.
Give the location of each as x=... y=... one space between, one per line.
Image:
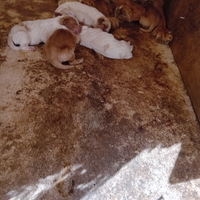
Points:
x=62 y=32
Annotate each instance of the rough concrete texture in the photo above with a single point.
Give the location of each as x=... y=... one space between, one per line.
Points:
x=106 y=129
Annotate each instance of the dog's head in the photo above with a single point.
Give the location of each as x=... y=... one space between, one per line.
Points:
x=103 y=23
x=129 y=13
x=71 y=23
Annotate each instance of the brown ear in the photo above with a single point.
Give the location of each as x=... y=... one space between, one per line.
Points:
x=100 y=21
x=56 y=14
x=66 y=22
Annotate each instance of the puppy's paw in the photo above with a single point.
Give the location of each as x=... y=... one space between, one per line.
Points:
x=114 y=22
x=76 y=62
x=162 y=35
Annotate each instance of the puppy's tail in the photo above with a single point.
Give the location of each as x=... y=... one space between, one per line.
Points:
x=11 y=43
x=66 y=65
x=114 y=22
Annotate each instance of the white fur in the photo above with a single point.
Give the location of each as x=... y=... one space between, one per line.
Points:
x=83 y=13
x=33 y=32
x=105 y=43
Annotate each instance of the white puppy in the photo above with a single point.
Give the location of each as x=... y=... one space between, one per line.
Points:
x=28 y=33
x=88 y=15
x=105 y=43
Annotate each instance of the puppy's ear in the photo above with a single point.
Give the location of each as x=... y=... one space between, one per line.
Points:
x=56 y=14
x=66 y=22
x=100 y=21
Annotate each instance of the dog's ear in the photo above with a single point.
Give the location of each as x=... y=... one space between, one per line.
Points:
x=101 y=24
x=100 y=21
x=66 y=21
x=56 y=14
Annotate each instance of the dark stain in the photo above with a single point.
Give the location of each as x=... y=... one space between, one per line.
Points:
x=45 y=93
x=2 y=59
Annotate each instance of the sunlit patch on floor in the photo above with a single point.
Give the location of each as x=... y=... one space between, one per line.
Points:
x=144 y=177
x=31 y=192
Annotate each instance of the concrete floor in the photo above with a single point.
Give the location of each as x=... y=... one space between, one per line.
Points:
x=107 y=129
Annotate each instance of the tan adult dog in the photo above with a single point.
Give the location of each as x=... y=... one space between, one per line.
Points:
x=59 y=49
x=24 y=35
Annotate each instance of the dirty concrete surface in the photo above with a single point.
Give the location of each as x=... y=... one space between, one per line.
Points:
x=106 y=129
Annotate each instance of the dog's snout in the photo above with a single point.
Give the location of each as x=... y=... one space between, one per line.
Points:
x=78 y=29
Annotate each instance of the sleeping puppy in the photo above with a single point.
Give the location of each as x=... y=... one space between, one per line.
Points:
x=86 y=14
x=146 y=14
x=105 y=43
x=129 y=12
x=59 y=49
x=28 y=33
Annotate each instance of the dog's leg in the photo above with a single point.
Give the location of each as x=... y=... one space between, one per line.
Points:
x=76 y=62
x=59 y=65
x=69 y=64
x=161 y=33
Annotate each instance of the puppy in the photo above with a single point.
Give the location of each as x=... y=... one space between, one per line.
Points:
x=59 y=49
x=28 y=33
x=86 y=14
x=105 y=43
x=147 y=15
x=129 y=12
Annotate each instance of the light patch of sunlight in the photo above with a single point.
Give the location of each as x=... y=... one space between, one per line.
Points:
x=83 y=171
x=31 y=192
x=146 y=177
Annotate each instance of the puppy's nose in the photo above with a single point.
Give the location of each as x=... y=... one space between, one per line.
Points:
x=78 y=29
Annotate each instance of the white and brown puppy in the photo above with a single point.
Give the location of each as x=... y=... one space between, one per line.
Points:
x=59 y=49
x=86 y=14
x=105 y=43
x=24 y=35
